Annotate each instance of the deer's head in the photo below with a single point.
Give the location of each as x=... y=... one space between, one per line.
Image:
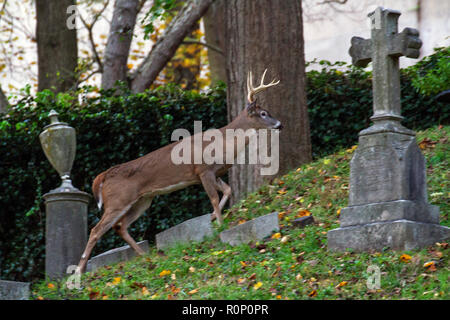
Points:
x=258 y=117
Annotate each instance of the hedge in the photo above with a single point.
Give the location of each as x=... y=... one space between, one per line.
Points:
x=112 y=129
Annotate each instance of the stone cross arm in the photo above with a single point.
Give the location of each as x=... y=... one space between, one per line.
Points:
x=386 y=38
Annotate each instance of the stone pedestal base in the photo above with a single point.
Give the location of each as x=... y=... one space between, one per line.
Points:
x=397 y=235
x=66 y=229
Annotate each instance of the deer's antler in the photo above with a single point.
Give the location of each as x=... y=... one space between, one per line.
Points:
x=252 y=91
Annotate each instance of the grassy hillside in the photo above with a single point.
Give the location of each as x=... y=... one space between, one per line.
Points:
x=292 y=264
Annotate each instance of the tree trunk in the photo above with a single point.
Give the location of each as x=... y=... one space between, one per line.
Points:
x=4 y=104
x=165 y=47
x=57 y=46
x=119 y=41
x=215 y=33
x=268 y=34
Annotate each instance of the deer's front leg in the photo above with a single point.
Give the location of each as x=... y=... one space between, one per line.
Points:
x=209 y=183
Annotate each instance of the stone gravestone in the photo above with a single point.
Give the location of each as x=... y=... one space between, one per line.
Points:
x=113 y=256
x=253 y=230
x=13 y=290
x=388 y=205
x=195 y=229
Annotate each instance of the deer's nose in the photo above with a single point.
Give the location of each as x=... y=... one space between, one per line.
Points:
x=278 y=126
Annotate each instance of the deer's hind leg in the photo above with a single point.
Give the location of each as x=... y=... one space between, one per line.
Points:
x=121 y=227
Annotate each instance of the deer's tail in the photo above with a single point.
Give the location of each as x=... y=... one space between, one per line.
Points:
x=97 y=189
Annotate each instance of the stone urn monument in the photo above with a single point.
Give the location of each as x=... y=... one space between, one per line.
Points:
x=66 y=206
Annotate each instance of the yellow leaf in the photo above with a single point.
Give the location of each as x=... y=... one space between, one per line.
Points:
x=326 y=161
x=257 y=285
x=116 y=280
x=193 y=291
x=303 y=213
x=282 y=191
x=243 y=264
x=130 y=66
x=278 y=297
x=51 y=286
x=312 y=293
x=298 y=170
x=105 y=297
x=276 y=235
x=40 y=298
x=281 y=214
x=154 y=296
x=103 y=36
x=343 y=283
x=405 y=257
x=338 y=212
x=430 y=265
x=164 y=273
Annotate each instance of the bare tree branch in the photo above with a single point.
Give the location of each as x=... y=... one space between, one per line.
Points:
x=89 y=28
x=165 y=47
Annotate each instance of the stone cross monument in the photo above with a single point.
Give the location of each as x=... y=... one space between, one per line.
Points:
x=388 y=205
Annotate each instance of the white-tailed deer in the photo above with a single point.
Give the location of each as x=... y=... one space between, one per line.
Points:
x=127 y=190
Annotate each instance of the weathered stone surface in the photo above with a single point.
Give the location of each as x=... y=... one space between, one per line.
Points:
x=389 y=211
x=303 y=221
x=66 y=230
x=397 y=235
x=195 y=229
x=13 y=290
x=387 y=167
x=256 y=229
x=114 y=256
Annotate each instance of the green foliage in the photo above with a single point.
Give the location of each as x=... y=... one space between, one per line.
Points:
x=340 y=102
x=161 y=9
x=432 y=75
x=111 y=129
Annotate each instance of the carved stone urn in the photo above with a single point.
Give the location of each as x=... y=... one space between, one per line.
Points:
x=58 y=140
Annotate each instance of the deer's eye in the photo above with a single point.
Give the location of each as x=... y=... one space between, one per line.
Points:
x=263 y=114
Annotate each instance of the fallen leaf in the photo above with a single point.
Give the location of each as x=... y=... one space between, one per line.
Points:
x=276 y=235
x=430 y=266
x=342 y=284
x=405 y=258
x=313 y=293
x=241 y=280
x=284 y=239
x=244 y=264
x=145 y=291
x=298 y=277
x=116 y=280
x=191 y=269
x=253 y=276
x=192 y=291
x=51 y=286
x=257 y=285
x=93 y=295
x=303 y=213
x=164 y=273
x=338 y=212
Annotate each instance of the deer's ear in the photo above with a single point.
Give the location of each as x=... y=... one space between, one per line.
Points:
x=251 y=108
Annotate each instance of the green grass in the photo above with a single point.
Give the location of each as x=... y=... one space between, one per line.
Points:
x=296 y=265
